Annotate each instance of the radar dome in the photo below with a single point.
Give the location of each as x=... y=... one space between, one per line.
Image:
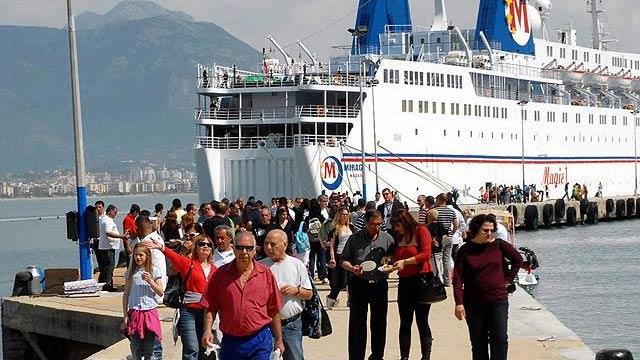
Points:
x=535 y=20
x=541 y=6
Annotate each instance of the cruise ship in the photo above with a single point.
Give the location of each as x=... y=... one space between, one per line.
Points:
x=425 y=109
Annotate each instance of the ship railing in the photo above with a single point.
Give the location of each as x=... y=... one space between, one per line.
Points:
x=246 y=80
x=515 y=95
x=284 y=112
x=270 y=141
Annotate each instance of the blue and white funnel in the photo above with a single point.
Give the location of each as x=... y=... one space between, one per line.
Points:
x=506 y=22
x=375 y=15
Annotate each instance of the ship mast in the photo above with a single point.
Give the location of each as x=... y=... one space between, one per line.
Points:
x=598 y=27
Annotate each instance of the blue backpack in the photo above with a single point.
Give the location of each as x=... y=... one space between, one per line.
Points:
x=301 y=240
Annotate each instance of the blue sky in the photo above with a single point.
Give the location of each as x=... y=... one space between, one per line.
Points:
x=322 y=23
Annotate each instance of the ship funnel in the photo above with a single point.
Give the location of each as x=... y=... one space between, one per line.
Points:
x=375 y=16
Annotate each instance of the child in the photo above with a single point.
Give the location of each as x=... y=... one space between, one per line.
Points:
x=141 y=322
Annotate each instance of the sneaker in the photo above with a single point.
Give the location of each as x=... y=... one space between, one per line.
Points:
x=330 y=303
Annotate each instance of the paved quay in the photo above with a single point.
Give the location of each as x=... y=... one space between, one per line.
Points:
x=534 y=333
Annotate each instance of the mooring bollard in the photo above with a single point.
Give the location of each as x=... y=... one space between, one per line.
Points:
x=614 y=354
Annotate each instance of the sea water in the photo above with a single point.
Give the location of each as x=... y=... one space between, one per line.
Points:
x=588 y=274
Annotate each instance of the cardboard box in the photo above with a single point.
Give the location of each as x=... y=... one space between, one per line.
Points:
x=55 y=279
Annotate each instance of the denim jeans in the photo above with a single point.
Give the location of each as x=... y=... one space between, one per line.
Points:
x=318 y=256
x=144 y=349
x=447 y=247
x=292 y=337
x=190 y=328
x=488 y=319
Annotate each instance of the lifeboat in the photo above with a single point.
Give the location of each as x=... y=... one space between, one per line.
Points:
x=595 y=80
x=619 y=83
x=571 y=77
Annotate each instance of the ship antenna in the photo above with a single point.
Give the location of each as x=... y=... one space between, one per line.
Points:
x=598 y=26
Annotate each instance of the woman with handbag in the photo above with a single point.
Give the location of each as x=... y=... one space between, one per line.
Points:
x=413 y=250
x=480 y=287
x=195 y=272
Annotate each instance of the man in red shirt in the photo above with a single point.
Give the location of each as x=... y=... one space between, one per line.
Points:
x=246 y=296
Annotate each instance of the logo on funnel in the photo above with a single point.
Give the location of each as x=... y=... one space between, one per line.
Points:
x=518 y=21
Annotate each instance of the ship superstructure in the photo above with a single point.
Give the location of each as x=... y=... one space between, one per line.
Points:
x=441 y=108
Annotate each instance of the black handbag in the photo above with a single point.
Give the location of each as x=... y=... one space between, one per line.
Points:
x=315 y=320
x=174 y=294
x=430 y=289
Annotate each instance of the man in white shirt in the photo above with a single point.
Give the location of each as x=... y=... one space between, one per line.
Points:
x=107 y=246
x=295 y=286
x=223 y=254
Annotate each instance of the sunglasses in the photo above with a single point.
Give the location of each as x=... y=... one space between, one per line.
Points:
x=488 y=230
x=246 y=248
x=191 y=236
x=204 y=244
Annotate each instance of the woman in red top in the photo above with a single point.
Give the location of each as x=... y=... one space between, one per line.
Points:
x=412 y=255
x=198 y=268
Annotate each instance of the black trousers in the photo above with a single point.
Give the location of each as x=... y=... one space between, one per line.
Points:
x=362 y=296
x=337 y=279
x=106 y=262
x=408 y=306
x=488 y=329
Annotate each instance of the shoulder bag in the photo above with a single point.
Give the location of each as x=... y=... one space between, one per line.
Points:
x=174 y=294
x=430 y=288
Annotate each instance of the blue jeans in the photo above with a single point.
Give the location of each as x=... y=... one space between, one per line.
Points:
x=190 y=328
x=144 y=349
x=318 y=255
x=292 y=338
x=253 y=347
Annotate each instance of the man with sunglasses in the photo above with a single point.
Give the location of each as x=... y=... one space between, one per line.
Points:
x=367 y=289
x=246 y=296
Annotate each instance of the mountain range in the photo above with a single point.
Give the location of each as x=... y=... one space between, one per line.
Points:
x=137 y=68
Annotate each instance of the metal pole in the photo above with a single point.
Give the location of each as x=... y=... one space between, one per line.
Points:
x=522 y=104
x=375 y=135
x=362 y=160
x=86 y=271
x=635 y=151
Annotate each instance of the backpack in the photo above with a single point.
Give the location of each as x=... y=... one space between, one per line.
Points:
x=301 y=240
x=315 y=320
x=437 y=231
x=314 y=229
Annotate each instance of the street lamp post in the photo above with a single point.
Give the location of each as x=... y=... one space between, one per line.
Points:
x=522 y=104
x=373 y=84
x=358 y=33
x=635 y=151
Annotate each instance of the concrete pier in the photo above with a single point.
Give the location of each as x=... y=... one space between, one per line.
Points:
x=65 y=328
x=568 y=212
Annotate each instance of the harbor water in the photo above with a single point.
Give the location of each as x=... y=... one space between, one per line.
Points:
x=587 y=276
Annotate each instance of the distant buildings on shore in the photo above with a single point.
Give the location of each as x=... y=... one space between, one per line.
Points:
x=138 y=180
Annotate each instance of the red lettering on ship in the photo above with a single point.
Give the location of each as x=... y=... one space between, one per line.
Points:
x=329 y=170
x=555 y=178
x=519 y=15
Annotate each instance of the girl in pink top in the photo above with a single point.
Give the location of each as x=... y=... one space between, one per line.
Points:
x=141 y=322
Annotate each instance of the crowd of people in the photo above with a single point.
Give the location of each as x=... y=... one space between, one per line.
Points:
x=505 y=194
x=248 y=269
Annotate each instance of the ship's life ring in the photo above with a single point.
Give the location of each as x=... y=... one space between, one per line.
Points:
x=571 y=216
x=609 y=206
x=559 y=209
x=531 y=217
x=547 y=214
x=321 y=111
x=620 y=209
x=514 y=210
x=592 y=213
x=631 y=207
x=637 y=207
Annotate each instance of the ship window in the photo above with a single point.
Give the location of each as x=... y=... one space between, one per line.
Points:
x=416 y=78
x=410 y=77
x=614 y=120
x=624 y=121
x=428 y=79
x=577 y=118
x=386 y=76
x=590 y=118
x=458 y=133
x=397 y=137
x=492 y=135
x=416 y=131
x=470 y=134
x=421 y=77
x=445 y=132
x=406 y=77
x=410 y=106
x=550 y=51
x=501 y=135
x=426 y=107
x=453 y=109
x=434 y=105
x=397 y=76
x=404 y=105
x=574 y=54
x=586 y=56
x=437 y=80
x=565 y=117
x=563 y=53
x=449 y=80
x=443 y=107
x=516 y=136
